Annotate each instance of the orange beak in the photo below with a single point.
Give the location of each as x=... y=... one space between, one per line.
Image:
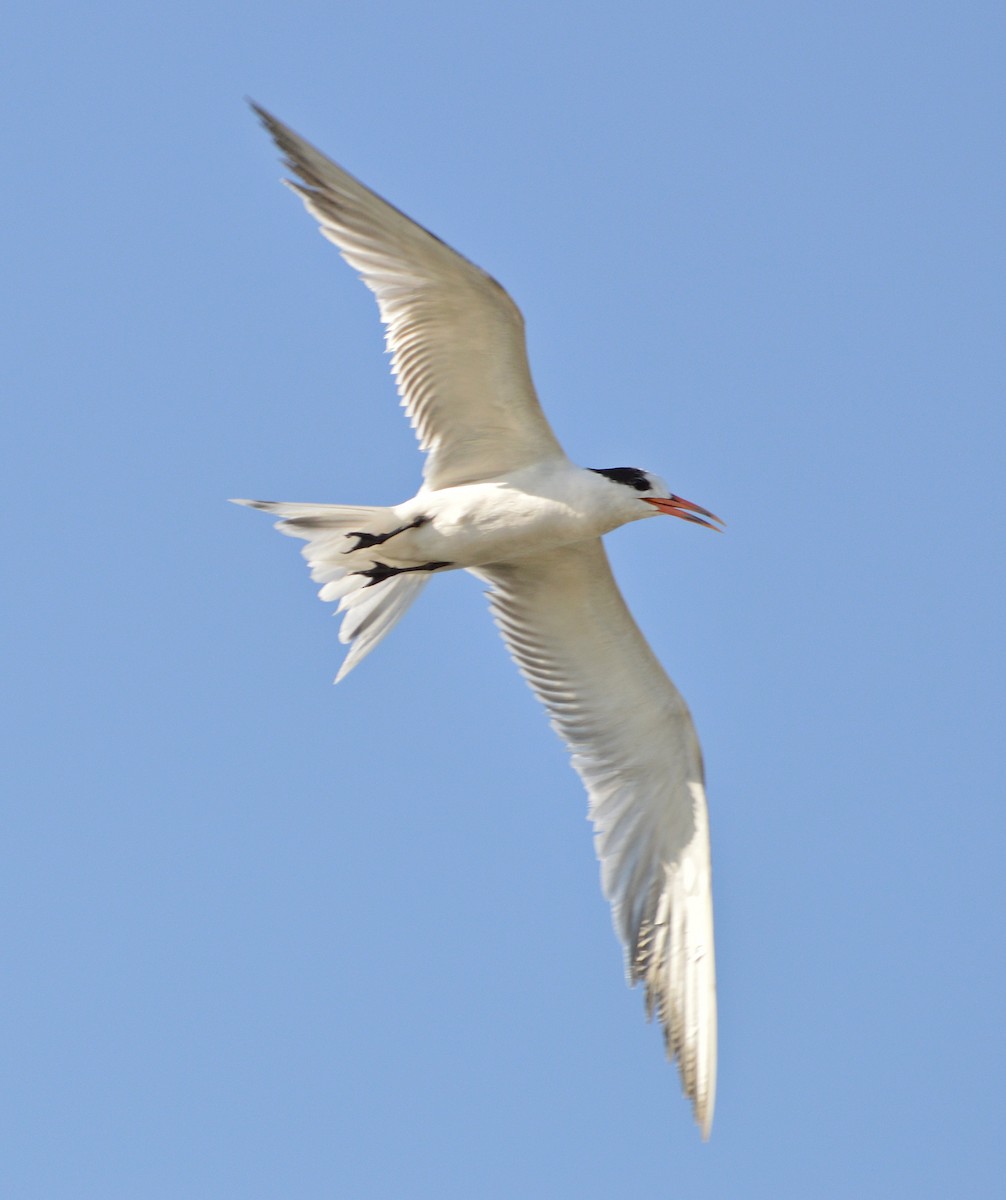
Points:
x=674 y=506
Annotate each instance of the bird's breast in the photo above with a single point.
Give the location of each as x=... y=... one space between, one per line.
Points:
x=498 y=521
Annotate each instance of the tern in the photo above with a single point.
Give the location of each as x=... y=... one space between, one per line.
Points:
x=500 y=499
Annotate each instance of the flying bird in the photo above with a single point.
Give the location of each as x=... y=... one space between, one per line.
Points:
x=500 y=499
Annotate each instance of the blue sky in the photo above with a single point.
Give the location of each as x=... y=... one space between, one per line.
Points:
x=266 y=938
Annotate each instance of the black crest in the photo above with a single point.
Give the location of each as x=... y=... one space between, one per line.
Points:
x=631 y=476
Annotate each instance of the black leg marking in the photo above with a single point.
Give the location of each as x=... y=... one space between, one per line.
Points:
x=379 y=572
x=367 y=540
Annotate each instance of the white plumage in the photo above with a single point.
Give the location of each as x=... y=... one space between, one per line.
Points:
x=501 y=500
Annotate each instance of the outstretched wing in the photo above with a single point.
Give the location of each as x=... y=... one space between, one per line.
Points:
x=455 y=336
x=634 y=746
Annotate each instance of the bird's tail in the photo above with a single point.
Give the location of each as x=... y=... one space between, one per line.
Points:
x=339 y=553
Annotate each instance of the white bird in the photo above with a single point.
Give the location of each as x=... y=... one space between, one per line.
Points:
x=502 y=500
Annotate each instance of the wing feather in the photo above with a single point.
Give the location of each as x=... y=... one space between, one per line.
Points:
x=456 y=338
x=634 y=745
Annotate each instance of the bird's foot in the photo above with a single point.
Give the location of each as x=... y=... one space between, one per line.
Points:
x=379 y=572
x=365 y=541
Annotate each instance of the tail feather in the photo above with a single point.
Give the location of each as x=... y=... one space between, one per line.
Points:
x=371 y=612
x=371 y=609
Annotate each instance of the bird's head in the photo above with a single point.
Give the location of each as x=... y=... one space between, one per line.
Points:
x=652 y=490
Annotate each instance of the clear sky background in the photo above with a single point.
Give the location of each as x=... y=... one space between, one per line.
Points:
x=267 y=938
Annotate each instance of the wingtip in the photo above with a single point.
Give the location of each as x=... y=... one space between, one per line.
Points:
x=263 y=114
x=704 y=1103
x=296 y=152
x=284 y=137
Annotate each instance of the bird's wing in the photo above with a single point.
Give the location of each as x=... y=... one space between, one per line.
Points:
x=455 y=336
x=634 y=746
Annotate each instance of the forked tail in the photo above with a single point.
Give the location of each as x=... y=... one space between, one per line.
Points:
x=340 y=540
